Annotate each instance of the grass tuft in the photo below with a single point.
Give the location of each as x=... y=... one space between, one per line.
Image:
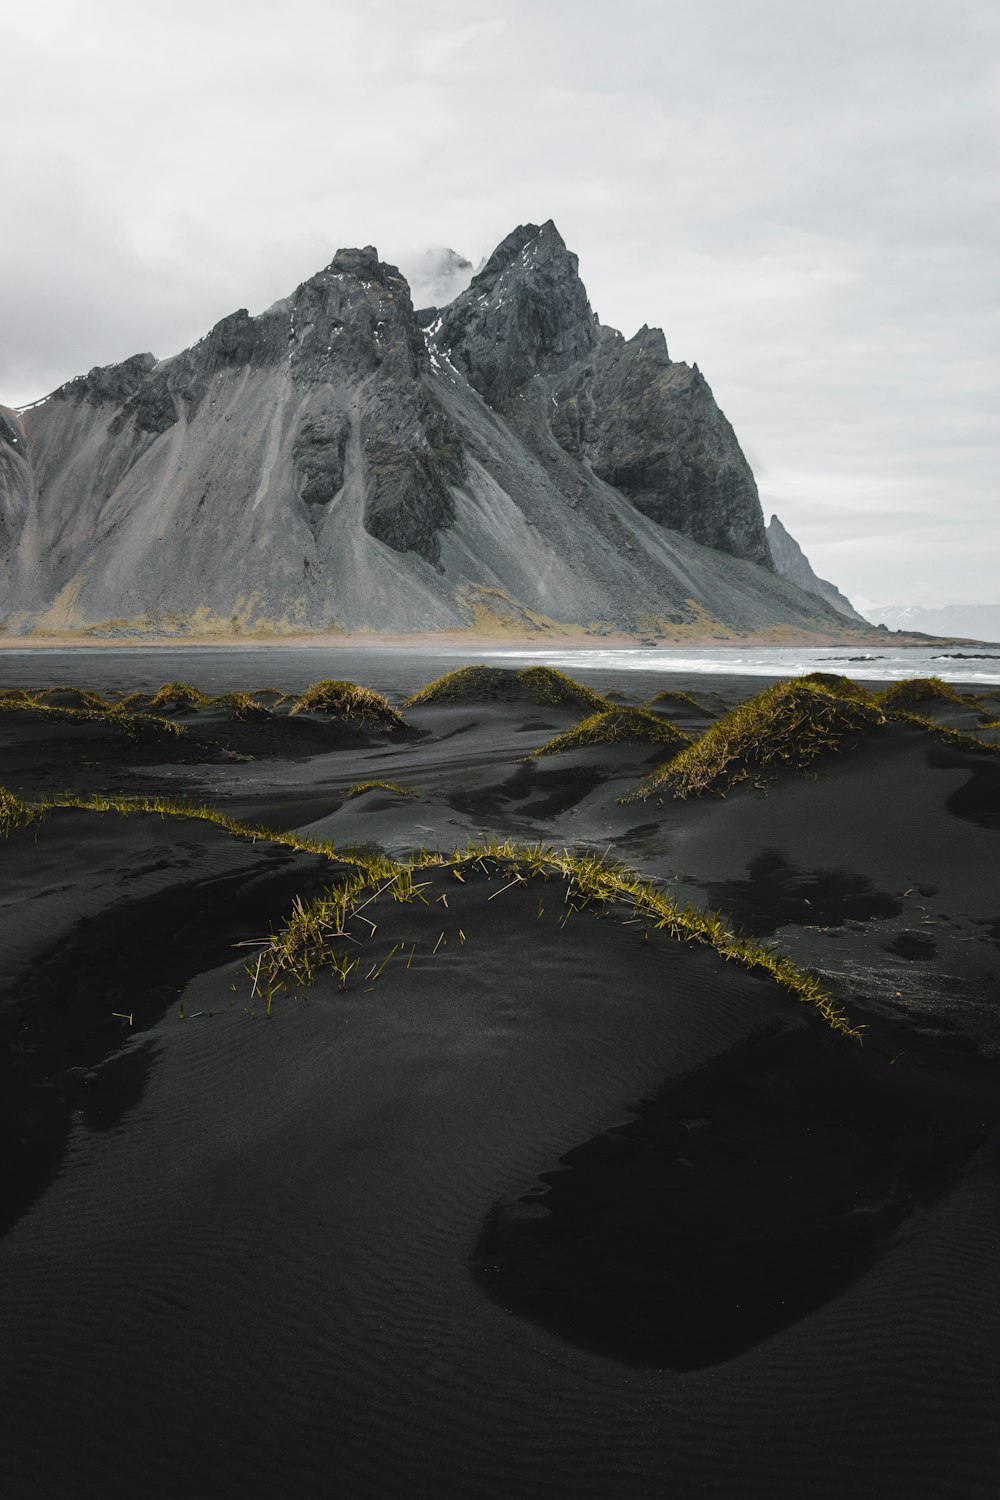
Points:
x=844 y=687
x=361 y=705
x=667 y=697
x=13 y=812
x=479 y=684
x=360 y=787
x=916 y=690
x=179 y=696
x=615 y=726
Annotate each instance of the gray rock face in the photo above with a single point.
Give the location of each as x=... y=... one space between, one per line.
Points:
x=792 y=563
x=646 y=425
x=339 y=461
x=651 y=428
x=413 y=455
x=526 y=313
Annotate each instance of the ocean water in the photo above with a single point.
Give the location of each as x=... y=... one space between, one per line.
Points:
x=398 y=671
x=890 y=664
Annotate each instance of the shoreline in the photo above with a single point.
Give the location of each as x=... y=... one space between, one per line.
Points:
x=457 y=640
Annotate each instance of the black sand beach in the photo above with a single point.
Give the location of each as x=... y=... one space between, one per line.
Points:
x=524 y=1194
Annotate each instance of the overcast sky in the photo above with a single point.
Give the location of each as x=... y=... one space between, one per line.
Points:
x=802 y=193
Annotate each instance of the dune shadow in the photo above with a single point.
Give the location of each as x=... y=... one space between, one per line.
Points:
x=731 y=1207
x=777 y=893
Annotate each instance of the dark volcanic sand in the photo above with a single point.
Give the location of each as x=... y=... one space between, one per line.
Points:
x=559 y=1210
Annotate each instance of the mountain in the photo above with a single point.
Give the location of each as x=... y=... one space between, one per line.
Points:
x=792 y=563
x=341 y=462
x=978 y=622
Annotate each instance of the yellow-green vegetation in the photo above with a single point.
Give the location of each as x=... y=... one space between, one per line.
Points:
x=616 y=726
x=71 y=697
x=792 y=723
x=788 y=725
x=242 y=705
x=183 y=698
x=323 y=933
x=683 y=700
x=914 y=690
x=179 y=696
x=114 y=715
x=372 y=864
x=13 y=812
x=329 y=933
x=360 y=787
x=485 y=684
x=844 y=687
x=361 y=705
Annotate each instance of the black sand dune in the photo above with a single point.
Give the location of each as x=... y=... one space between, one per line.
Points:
x=537 y=1200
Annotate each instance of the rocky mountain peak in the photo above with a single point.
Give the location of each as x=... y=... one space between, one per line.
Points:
x=353 y=318
x=363 y=264
x=525 y=313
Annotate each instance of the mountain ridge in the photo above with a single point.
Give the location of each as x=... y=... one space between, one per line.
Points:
x=792 y=563
x=330 y=464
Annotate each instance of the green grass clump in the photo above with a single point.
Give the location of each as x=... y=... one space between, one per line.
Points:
x=243 y=705
x=616 y=726
x=360 y=787
x=788 y=725
x=13 y=812
x=179 y=696
x=361 y=705
x=916 y=690
x=669 y=697
x=485 y=684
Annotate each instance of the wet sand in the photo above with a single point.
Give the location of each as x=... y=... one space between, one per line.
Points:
x=561 y=1206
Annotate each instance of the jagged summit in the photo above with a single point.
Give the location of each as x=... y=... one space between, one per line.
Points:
x=341 y=461
x=526 y=313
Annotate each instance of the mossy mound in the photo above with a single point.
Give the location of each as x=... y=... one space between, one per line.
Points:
x=787 y=726
x=88 y=708
x=178 y=697
x=331 y=933
x=17 y=698
x=483 y=684
x=360 y=787
x=669 y=698
x=616 y=726
x=69 y=697
x=360 y=705
x=923 y=690
x=242 y=705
